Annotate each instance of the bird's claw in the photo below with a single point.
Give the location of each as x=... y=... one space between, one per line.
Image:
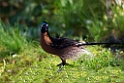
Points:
x=60 y=68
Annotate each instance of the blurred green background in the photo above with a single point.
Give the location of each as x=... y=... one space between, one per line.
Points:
x=22 y=58
x=83 y=19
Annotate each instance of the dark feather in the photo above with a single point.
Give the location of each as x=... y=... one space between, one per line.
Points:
x=60 y=43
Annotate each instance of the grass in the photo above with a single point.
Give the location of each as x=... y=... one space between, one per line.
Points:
x=24 y=61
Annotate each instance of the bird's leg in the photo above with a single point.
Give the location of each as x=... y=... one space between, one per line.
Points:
x=61 y=65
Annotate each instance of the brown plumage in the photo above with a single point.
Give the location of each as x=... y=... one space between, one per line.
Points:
x=63 y=47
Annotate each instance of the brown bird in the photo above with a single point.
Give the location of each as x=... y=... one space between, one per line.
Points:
x=65 y=48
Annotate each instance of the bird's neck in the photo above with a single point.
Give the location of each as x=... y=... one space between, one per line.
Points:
x=45 y=38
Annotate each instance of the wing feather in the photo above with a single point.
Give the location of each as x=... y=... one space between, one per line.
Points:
x=60 y=43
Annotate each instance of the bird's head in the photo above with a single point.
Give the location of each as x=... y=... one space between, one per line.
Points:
x=44 y=27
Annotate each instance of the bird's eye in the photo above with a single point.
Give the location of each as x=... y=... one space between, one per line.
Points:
x=46 y=25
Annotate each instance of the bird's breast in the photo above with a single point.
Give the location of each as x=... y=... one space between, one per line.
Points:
x=45 y=42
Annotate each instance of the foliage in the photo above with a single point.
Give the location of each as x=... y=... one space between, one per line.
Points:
x=11 y=40
x=73 y=15
x=118 y=21
x=82 y=18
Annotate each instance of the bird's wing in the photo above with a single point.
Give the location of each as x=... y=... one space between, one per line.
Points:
x=60 y=43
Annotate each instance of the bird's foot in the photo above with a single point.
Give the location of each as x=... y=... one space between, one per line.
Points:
x=60 y=68
x=61 y=65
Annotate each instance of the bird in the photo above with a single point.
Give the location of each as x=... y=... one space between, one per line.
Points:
x=64 y=48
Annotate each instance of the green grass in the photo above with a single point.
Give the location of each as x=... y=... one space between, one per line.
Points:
x=24 y=61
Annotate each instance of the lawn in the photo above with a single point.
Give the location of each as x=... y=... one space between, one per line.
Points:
x=25 y=61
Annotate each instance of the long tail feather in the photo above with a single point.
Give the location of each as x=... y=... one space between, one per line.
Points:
x=99 y=43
